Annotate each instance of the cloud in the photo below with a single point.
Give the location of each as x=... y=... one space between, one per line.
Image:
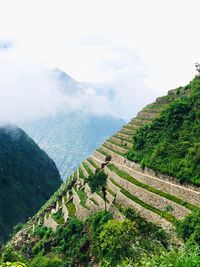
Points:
x=30 y=91
x=128 y=51
x=5 y=45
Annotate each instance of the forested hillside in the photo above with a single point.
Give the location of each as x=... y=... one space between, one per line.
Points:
x=28 y=177
x=113 y=211
x=171 y=143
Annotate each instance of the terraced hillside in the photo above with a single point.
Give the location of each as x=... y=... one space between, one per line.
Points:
x=156 y=197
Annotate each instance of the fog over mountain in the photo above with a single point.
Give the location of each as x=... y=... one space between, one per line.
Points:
x=65 y=135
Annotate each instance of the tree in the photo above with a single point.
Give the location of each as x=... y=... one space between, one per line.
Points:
x=189 y=228
x=116 y=241
x=98 y=182
x=197 y=65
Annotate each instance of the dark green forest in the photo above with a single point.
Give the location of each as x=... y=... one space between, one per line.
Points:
x=28 y=177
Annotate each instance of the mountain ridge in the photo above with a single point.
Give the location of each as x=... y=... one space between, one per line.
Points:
x=156 y=197
x=25 y=172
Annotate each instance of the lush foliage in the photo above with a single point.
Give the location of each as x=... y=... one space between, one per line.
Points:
x=187 y=256
x=189 y=228
x=99 y=239
x=97 y=181
x=13 y=264
x=171 y=143
x=28 y=178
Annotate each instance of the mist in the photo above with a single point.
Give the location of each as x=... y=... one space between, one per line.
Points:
x=30 y=91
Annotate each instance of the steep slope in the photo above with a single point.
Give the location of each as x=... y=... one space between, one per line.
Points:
x=28 y=177
x=171 y=144
x=64 y=136
x=156 y=197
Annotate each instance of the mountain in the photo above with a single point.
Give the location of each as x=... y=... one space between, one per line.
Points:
x=65 y=135
x=114 y=211
x=28 y=177
x=171 y=144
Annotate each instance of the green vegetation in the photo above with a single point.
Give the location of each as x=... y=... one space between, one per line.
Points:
x=129 y=178
x=117 y=144
x=189 y=228
x=171 y=143
x=94 y=201
x=71 y=209
x=98 y=182
x=13 y=264
x=28 y=178
x=83 y=197
x=88 y=170
x=58 y=217
x=98 y=239
x=116 y=152
x=81 y=173
x=104 y=153
x=93 y=164
x=185 y=257
x=163 y=214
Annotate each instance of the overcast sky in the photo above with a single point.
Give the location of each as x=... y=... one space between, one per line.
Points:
x=138 y=48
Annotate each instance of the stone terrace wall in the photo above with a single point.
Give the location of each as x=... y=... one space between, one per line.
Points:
x=65 y=212
x=148 y=197
x=50 y=223
x=145 y=213
x=118 y=158
x=165 y=183
x=115 y=147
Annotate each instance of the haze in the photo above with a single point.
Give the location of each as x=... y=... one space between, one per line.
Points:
x=126 y=52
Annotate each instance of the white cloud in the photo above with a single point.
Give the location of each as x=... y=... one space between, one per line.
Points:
x=134 y=47
x=30 y=91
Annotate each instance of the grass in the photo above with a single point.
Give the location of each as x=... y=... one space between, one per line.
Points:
x=120 y=154
x=83 y=197
x=94 y=201
x=143 y=118
x=127 y=133
x=58 y=217
x=111 y=192
x=163 y=214
x=93 y=164
x=81 y=173
x=117 y=144
x=75 y=175
x=71 y=209
x=122 y=138
x=88 y=170
x=129 y=178
x=102 y=152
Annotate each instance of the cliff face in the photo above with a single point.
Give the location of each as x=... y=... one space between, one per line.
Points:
x=28 y=177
